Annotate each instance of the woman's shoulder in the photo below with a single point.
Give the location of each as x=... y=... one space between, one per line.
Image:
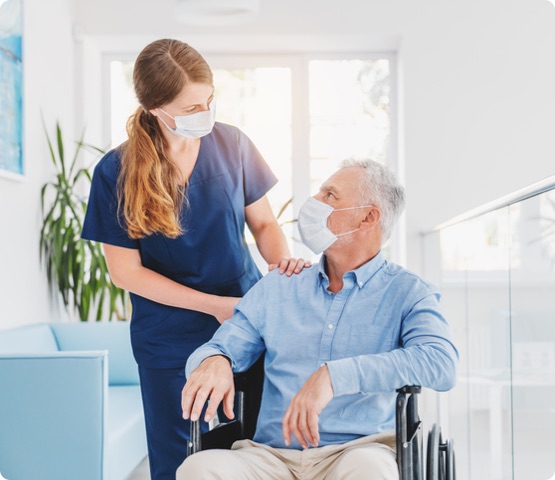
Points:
x=233 y=138
x=226 y=133
x=110 y=164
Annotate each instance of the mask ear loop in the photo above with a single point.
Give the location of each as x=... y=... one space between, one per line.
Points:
x=167 y=126
x=352 y=208
x=163 y=111
x=349 y=208
x=346 y=233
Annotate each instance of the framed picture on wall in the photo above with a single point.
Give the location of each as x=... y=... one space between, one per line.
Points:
x=11 y=89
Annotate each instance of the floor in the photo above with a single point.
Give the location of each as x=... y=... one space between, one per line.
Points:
x=141 y=472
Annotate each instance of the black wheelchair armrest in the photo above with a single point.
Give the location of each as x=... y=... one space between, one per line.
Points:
x=408 y=433
x=248 y=394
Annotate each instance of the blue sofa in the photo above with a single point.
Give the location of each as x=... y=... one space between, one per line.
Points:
x=70 y=403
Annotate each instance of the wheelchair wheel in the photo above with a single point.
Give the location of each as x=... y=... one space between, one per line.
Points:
x=447 y=447
x=435 y=462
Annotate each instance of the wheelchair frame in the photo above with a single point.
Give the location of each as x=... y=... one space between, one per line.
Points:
x=440 y=459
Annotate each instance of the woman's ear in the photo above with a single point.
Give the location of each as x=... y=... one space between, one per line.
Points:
x=371 y=220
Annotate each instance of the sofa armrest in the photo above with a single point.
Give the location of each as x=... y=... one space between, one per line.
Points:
x=52 y=415
x=111 y=336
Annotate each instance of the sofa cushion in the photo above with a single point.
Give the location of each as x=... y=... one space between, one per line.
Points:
x=29 y=339
x=125 y=431
x=111 y=336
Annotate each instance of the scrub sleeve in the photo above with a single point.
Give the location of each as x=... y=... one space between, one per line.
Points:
x=211 y=256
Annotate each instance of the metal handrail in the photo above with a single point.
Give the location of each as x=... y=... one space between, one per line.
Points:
x=518 y=196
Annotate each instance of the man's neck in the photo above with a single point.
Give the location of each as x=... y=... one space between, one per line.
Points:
x=337 y=265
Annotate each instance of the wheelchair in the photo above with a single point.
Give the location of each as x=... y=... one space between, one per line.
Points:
x=440 y=457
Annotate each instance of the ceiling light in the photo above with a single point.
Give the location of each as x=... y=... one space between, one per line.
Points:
x=216 y=12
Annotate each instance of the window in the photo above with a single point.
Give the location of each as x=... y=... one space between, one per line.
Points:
x=349 y=113
x=305 y=114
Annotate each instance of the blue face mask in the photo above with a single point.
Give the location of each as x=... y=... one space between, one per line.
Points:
x=313 y=225
x=195 y=125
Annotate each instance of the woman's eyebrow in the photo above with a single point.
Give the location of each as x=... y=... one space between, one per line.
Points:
x=197 y=104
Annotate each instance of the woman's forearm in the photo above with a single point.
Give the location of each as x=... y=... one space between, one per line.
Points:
x=267 y=233
x=271 y=243
x=127 y=272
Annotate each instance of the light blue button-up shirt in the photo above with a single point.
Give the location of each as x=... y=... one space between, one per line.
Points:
x=382 y=331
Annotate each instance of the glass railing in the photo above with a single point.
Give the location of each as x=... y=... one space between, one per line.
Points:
x=496 y=270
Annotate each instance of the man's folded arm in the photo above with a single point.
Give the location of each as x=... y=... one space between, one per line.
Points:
x=426 y=357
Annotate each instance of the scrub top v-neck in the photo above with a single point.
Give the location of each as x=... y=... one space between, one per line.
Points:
x=210 y=256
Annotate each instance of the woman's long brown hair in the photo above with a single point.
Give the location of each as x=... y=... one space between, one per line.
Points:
x=150 y=191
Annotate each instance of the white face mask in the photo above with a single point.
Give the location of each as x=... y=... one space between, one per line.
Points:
x=195 y=125
x=313 y=225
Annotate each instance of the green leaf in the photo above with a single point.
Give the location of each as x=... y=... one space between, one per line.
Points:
x=88 y=146
x=61 y=148
x=52 y=155
x=76 y=155
x=284 y=207
x=100 y=305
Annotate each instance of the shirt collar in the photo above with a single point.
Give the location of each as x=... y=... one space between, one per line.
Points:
x=361 y=275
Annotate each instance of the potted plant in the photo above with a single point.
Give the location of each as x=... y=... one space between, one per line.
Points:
x=76 y=268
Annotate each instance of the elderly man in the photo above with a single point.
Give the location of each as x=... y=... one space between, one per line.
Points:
x=339 y=338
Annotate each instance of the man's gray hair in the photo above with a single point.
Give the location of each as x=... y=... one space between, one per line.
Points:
x=379 y=186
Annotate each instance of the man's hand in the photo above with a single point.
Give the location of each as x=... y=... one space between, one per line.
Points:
x=212 y=379
x=301 y=417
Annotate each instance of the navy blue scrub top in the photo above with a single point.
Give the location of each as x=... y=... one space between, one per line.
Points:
x=211 y=256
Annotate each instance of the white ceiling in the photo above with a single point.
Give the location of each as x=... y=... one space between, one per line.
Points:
x=140 y=17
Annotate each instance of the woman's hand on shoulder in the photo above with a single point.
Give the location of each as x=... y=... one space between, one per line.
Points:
x=289 y=266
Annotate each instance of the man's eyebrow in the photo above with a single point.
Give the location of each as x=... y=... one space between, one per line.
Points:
x=329 y=188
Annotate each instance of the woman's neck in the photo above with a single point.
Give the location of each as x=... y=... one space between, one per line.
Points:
x=183 y=152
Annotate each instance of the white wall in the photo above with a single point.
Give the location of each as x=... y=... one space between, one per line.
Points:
x=476 y=76
x=48 y=88
x=479 y=106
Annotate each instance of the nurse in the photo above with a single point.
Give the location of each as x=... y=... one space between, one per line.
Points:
x=170 y=207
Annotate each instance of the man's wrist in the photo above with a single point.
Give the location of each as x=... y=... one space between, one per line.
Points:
x=217 y=356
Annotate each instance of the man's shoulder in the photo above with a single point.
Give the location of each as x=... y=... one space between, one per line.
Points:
x=276 y=285
x=274 y=291
x=408 y=278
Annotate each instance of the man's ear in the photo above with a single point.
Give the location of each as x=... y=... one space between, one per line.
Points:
x=371 y=220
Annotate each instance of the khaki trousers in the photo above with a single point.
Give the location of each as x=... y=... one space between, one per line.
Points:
x=367 y=458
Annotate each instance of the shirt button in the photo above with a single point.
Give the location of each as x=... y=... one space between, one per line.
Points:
x=360 y=284
x=330 y=326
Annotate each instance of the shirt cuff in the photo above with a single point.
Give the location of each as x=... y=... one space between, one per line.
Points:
x=344 y=376
x=198 y=356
